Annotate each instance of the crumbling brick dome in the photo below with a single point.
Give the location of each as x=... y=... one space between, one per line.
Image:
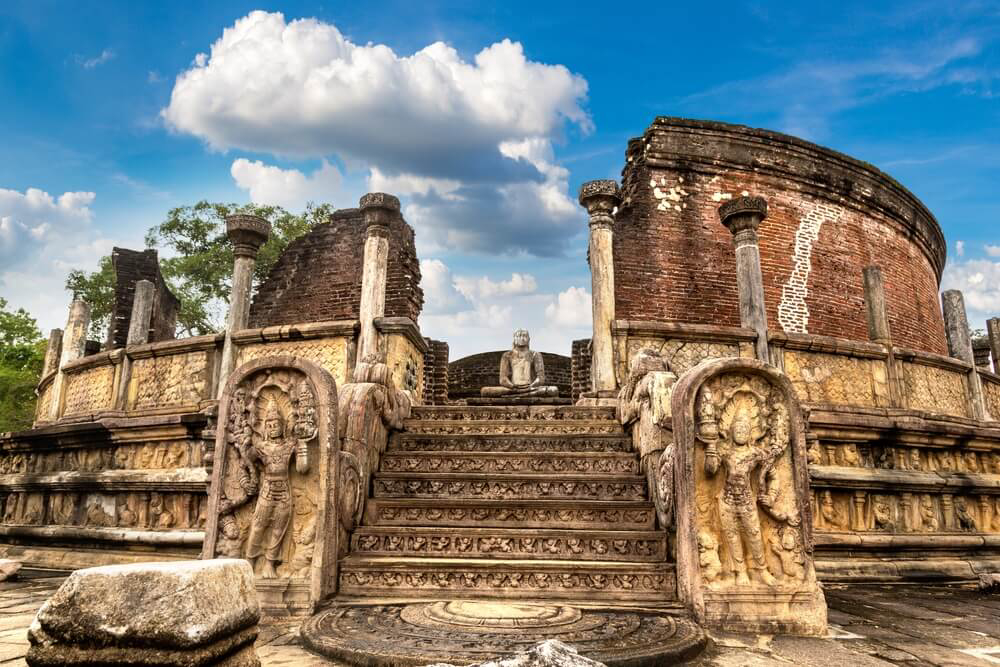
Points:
x=829 y=216
x=318 y=277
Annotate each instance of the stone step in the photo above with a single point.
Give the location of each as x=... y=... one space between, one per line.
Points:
x=510 y=514
x=371 y=576
x=622 y=463
x=512 y=427
x=509 y=487
x=524 y=443
x=521 y=543
x=563 y=413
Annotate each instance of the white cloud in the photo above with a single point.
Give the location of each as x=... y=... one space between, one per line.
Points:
x=42 y=237
x=572 y=308
x=441 y=296
x=960 y=248
x=469 y=141
x=992 y=250
x=91 y=63
x=484 y=288
x=979 y=281
x=290 y=188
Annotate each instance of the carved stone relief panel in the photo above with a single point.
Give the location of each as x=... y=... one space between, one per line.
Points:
x=180 y=379
x=892 y=511
x=44 y=404
x=744 y=538
x=274 y=470
x=838 y=379
x=406 y=365
x=681 y=355
x=330 y=354
x=935 y=390
x=89 y=390
x=991 y=393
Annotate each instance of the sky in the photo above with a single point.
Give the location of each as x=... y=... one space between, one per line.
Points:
x=485 y=121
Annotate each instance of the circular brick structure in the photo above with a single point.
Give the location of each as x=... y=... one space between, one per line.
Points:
x=829 y=216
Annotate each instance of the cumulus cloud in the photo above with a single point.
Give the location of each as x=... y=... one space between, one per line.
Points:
x=441 y=295
x=484 y=288
x=979 y=281
x=91 y=63
x=992 y=250
x=960 y=248
x=571 y=308
x=469 y=141
x=290 y=188
x=42 y=237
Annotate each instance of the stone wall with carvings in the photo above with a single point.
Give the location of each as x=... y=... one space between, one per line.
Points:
x=330 y=353
x=839 y=379
x=991 y=392
x=934 y=389
x=406 y=363
x=169 y=381
x=89 y=390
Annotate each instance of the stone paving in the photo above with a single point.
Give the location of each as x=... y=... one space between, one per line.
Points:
x=870 y=626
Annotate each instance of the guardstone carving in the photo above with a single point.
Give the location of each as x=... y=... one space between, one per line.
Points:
x=744 y=536
x=274 y=477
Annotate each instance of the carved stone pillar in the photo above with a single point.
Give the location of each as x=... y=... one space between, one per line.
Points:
x=74 y=342
x=247 y=233
x=742 y=216
x=52 y=352
x=956 y=325
x=879 y=330
x=377 y=208
x=948 y=511
x=993 y=331
x=138 y=333
x=907 y=505
x=600 y=199
x=858 y=519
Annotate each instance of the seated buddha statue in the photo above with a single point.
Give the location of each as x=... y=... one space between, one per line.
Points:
x=522 y=372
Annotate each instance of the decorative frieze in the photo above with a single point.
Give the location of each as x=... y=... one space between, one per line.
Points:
x=935 y=390
x=169 y=381
x=330 y=354
x=492 y=462
x=510 y=488
x=89 y=390
x=838 y=379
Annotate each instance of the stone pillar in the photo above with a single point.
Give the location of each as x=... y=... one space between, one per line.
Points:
x=52 y=352
x=247 y=233
x=74 y=342
x=742 y=216
x=993 y=332
x=377 y=209
x=948 y=510
x=879 y=330
x=600 y=199
x=138 y=333
x=956 y=328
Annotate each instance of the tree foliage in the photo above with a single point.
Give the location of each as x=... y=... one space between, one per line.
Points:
x=22 y=353
x=197 y=261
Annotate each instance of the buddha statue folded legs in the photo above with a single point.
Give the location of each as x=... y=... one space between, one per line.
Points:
x=522 y=372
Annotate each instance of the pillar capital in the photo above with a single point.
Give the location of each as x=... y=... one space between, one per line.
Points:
x=247 y=233
x=742 y=216
x=377 y=210
x=600 y=199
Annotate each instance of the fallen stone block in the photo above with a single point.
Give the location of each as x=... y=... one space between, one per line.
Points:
x=989 y=582
x=551 y=653
x=189 y=613
x=8 y=568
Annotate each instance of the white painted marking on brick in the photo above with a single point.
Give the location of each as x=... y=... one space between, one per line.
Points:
x=793 y=312
x=667 y=195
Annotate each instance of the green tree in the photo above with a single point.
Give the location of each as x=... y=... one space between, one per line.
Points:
x=197 y=261
x=22 y=353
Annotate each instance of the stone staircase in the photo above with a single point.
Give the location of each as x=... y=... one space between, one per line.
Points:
x=510 y=502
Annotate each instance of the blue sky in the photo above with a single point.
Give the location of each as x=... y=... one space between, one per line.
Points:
x=485 y=121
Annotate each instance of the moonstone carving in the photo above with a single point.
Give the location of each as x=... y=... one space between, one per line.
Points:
x=522 y=372
x=744 y=535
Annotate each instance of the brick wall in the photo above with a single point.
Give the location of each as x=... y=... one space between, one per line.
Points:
x=580 y=370
x=318 y=277
x=131 y=266
x=468 y=375
x=436 y=372
x=829 y=217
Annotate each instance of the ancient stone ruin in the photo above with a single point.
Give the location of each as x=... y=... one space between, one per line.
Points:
x=774 y=397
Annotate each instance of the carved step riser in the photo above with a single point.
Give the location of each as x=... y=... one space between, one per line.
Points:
x=555 y=428
x=513 y=490
x=502 y=545
x=519 y=445
x=396 y=513
x=511 y=413
x=523 y=583
x=615 y=464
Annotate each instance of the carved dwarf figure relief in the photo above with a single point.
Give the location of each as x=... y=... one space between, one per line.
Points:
x=522 y=371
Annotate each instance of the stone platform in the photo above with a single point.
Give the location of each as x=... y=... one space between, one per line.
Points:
x=462 y=632
x=518 y=400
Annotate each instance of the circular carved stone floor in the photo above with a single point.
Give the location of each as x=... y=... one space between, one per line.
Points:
x=464 y=632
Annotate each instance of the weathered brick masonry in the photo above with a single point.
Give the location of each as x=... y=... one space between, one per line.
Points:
x=318 y=277
x=829 y=217
x=131 y=266
x=580 y=367
x=468 y=375
x=436 y=372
